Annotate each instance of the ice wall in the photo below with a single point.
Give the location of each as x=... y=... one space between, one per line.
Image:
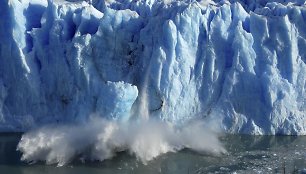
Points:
x=238 y=63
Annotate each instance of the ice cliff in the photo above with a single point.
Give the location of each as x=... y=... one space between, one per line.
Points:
x=239 y=63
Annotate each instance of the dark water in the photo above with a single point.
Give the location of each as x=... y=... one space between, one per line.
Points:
x=246 y=154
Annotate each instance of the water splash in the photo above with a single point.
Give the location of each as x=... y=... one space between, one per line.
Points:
x=101 y=139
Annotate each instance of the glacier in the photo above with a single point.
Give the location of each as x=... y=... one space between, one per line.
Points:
x=238 y=63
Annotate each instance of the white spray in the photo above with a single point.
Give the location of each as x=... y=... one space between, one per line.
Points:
x=101 y=139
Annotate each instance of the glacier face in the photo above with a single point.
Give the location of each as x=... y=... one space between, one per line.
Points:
x=239 y=63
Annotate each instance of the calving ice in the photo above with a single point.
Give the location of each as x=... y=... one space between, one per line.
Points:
x=238 y=64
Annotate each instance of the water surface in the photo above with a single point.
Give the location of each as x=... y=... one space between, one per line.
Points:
x=246 y=154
